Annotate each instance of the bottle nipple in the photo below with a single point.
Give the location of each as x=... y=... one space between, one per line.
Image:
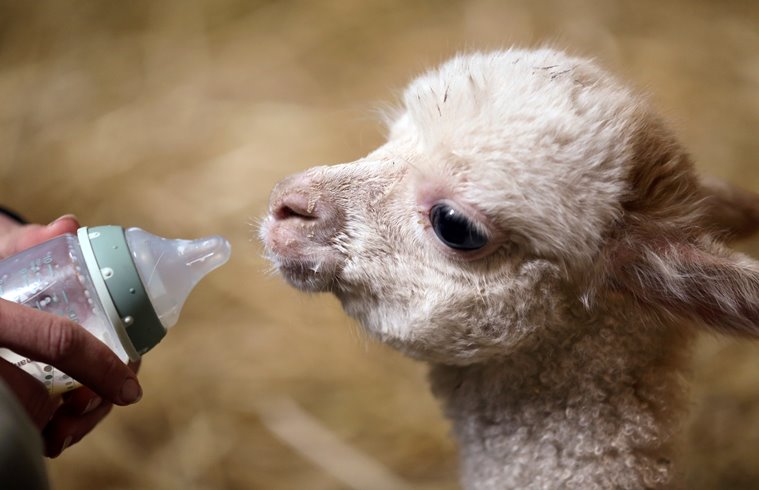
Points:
x=170 y=269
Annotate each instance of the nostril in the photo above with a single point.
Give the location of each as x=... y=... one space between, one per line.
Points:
x=286 y=212
x=295 y=206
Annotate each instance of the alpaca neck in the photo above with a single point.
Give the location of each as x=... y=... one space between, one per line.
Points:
x=597 y=408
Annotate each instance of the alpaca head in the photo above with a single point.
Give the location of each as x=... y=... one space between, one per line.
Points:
x=512 y=184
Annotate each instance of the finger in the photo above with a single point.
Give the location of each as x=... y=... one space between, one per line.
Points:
x=8 y=224
x=69 y=347
x=65 y=430
x=135 y=365
x=17 y=238
x=80 y=401
x=31 y=235
x=32 y=394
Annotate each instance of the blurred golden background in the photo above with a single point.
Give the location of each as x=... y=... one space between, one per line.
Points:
x=179 y=116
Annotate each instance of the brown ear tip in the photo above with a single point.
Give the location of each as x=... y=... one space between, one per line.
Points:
x=748 y=331
x=732 y=212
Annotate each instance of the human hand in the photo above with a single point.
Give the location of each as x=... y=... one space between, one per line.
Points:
x=41 y=336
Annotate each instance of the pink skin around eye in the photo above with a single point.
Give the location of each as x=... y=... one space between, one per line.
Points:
x=430 y=193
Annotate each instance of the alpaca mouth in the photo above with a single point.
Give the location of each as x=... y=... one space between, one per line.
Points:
x=305 y=264
x=310 y=276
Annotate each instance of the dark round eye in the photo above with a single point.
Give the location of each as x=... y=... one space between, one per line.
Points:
x=456 y=230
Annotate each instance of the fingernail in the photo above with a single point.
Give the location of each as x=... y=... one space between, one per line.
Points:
x=65 y=216
x=67 y=443
x=131 y=392
x=92 y=405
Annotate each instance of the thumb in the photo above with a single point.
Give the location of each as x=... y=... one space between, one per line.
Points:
x=23 y=237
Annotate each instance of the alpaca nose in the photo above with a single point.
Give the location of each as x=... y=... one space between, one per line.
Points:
x=300 y=199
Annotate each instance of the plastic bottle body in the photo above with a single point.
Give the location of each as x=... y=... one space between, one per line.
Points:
x=126 y=287
x=53 y=277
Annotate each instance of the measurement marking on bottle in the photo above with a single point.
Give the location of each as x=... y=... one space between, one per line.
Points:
x=44 y=302
x=73 y=316
x=65 y=297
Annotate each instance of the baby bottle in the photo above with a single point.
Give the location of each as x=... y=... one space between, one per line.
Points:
x=126 y=287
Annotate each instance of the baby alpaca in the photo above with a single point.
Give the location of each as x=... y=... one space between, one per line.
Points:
x=533 y=231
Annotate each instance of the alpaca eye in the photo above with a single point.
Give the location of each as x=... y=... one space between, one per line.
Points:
x=456 y=230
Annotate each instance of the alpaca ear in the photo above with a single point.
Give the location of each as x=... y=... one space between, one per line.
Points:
x=696 y=279
x=731 y=213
